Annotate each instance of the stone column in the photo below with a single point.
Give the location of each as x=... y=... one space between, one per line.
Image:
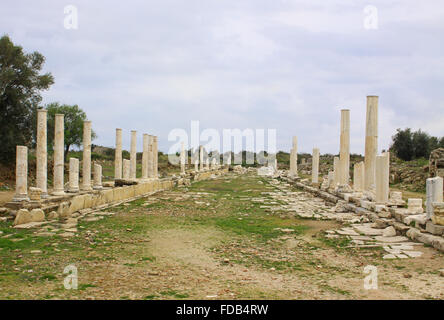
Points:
x=382 y=178
x=145 y=156
x=42 y=153
x=196 y=166
x=133 y=155
x=150 y=157
x=118 y=155
x=207 y=163
x=182 y=158
x=59 y=149
x=97 y=177
x=344 y=151
x=294 y=158
x=335 y=172
x=21 y=174
x=315 y=166
x=371 y=142
x=331 y=178
x=201 y=158
x=73 y=175
x=434 y=190
x=358 y=176
x=86 y=161
x=126 y=169
x=156 y=158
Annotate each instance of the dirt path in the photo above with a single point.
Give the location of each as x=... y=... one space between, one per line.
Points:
x=212 y=240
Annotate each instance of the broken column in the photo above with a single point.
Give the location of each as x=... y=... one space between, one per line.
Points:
x=294 y=158
x=118 y=155
x=358 y=176
x=201 y=158
x=182 y=158
x=126 y=169
x=97 y=177
x=434 y=190
x=315 y=166
x=86 y=161
x=382 y=178
x=145 y=156
x=42 y=152
x=21 y=174
x=371 y=143
x=196 y=166
x=133 y=155
x=59 y=149
x=344 y=151
x=73 y=175
x=335 y=172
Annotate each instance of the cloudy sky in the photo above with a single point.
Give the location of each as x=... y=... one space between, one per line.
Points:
x=289 y=65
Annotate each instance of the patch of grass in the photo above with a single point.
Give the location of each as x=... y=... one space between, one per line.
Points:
x=175 y=294
x=335 y=290
x=84 y=286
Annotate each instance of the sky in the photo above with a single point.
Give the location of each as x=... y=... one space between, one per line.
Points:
x=289 y=65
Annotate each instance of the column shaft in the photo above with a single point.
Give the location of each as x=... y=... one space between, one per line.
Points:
x=59 y=149
x=118 y=155
x=344 y=153
x=371 y=142
x=42 y=153
x=133 y=155
x=315 y=166
x=145 y=156
x=86 y=161
x=73 y=175
x=21 y=174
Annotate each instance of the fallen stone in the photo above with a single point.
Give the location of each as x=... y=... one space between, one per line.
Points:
x=389 y=232
x=37 y=215
x=23 y=216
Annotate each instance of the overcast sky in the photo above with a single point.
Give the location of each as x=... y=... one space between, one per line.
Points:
x=288 y=65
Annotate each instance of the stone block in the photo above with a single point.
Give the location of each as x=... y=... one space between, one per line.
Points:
x=23 y=216
x=37 y=215
x=434 y=228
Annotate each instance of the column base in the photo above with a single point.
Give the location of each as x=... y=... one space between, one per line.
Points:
x=97 y=187
x=86 y=188
x=58 y=193
x=44 y=195
x=74 y=190
x=20 y=198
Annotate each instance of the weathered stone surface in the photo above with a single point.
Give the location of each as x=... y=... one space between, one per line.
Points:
x=37 y=215
x=389 y=232
x=22 y=216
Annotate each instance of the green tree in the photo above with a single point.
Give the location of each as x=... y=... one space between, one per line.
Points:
x=402 y=144
x=421 y=144
x=20 y=86
x=74 y=118
x=433 y=143
x=441 y=142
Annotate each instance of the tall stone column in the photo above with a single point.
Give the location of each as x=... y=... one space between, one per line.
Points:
x=371 y=142
x=315 y=166
x=294 y=158
x=434 y=189
x=73 y=175
x=21 y=174
x=358 y=176
x=156 y=158
x=335 y=172
x=344 y=151
x=182 y=158
x=118 y=155
x=42 y=153
x=133 y=155
x=150 y=156
x=86 y=161
x=126 y=169
x=59 y=149
x=201 y=158
x=145 y=156
x=196 y=165
x=382 y=178
x=97 y=177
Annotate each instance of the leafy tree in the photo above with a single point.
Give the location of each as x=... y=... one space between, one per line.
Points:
x=74 y=118
x=441 y=142
x=402 y=144
x=20 y=86
x=433 y=143
x=421 y=145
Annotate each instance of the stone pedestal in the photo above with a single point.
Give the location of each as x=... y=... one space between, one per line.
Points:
x=315 y=166
x=434 y=193
x=371 y=142
x=126 y=169
x=118 y=155
x=73 y=175
x=414 y=206
x=382 y=178
x=59 y=149
x=97 y=177
x=358 y=176
x=344 y=152
x=335 y=172
x=86 y=161
x=133 y=155
x=21 y=174
x=35 y=194
x=145 y=156
x=42 y=153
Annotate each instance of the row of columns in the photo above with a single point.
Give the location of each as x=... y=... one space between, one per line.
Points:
x=127 y=169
